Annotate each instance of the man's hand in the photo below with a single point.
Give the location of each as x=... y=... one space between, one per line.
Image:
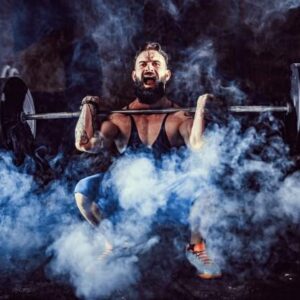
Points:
x=196 y=138
x=201 y=103
x=94 y=133
x=92 y=100
x=214 y=107
x=92 y=104
x=87 y=124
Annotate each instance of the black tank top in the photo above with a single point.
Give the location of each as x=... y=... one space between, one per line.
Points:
x=160 y=146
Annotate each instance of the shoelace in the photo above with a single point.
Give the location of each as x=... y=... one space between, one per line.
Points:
x=202 y=255
x=107 y=251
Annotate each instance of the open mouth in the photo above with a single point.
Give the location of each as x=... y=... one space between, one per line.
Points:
x=149 y=80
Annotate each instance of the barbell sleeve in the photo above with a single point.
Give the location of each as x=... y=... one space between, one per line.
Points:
x=234 y=109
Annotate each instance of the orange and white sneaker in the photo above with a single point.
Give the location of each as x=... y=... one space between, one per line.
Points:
x=198 y=257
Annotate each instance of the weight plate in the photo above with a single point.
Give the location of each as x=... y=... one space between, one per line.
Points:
x=15 y=99
x=28 y=108
x=295 y=91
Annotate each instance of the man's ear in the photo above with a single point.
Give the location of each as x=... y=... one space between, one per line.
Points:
x=133 y=75
x=168 y=75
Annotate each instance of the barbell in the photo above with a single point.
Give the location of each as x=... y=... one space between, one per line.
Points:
x=17 y=106
x=234 y=109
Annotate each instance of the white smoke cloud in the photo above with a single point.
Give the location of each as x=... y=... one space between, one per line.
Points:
x=241 y=201
x=260 y=15
x=240 y=204
x=171 y=8
x=29 y=215
x=78 y=255
x=119 y=24
x=289 y=196
x=240 y=214
x=197 y=74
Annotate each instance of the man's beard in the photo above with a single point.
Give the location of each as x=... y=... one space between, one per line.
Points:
x=149 y=95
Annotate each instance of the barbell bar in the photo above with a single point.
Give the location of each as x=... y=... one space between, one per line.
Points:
x=234 y=109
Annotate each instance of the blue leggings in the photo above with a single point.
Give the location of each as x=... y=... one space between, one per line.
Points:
x=91 y=188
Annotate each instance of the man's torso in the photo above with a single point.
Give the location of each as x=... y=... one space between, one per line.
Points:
x=149 y=128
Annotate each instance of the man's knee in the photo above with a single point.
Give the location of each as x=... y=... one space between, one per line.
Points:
x=88 y=188
x=82 y=201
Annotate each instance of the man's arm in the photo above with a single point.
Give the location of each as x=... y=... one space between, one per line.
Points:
x=192 y=129
x=92 y=135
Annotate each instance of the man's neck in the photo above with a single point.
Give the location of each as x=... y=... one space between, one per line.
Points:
x=162 y=103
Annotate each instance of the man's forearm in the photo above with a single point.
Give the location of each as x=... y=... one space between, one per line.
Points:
x=87 y=135
x=84 y=128
x=196 y=136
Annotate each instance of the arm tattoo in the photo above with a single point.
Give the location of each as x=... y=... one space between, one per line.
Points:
x=81 y=135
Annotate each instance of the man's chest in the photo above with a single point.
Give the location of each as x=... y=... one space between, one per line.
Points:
x=148 y=128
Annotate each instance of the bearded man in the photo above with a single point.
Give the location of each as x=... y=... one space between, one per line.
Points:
x=157 y=132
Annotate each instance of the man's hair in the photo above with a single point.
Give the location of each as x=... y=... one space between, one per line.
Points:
x=152 y=46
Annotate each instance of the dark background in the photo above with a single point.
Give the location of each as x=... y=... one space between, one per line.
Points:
x=65 y=50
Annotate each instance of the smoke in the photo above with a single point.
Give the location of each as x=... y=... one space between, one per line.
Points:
x=171 y=8
x=78 y=251
x=6 y=35
x=29 y=216
x=119 y=24
x=197 y=73
x=234 y=192
x=34 y=218
x=236 y=41
x=246 y=204
x=288 y=195
x=260 y=16
x=79 y=257
x=111 y=28
x=83 y=47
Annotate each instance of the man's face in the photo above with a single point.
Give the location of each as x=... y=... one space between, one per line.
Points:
x=150 y=66
x=150 y=76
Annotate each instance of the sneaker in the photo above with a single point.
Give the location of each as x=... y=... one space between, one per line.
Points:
x=206 y=268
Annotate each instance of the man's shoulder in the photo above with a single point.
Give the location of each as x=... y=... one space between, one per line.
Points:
x=121 y=117
x=117 y=116
x=181 y=114
x=179 y=118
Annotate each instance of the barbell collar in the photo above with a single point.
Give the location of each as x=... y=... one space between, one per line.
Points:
x=234 y=109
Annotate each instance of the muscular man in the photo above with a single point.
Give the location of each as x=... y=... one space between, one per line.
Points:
x=159 y=132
